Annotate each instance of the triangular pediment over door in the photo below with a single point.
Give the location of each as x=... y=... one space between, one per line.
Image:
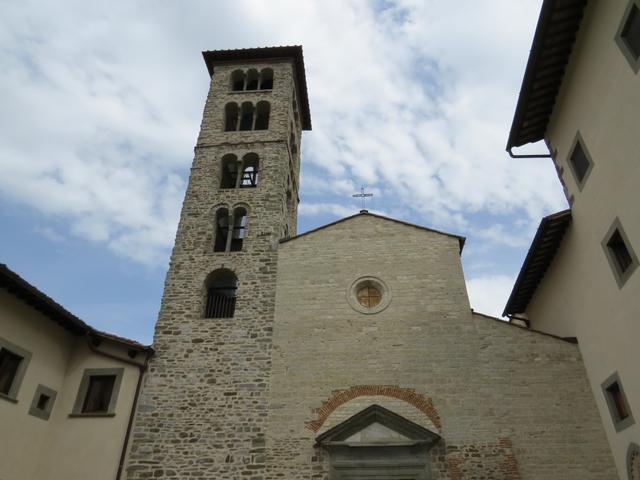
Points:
x=379 y=444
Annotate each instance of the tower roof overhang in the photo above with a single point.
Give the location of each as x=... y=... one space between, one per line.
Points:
x=293 y=52
x=553 y=41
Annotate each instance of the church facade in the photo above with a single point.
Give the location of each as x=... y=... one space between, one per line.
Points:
x=346 y=352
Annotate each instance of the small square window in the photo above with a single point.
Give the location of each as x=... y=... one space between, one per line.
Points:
x=13 y=366
x=628 y=36
x=98 y=392
x=42 y=403
x=617 y=402
x=620 y=255
x=580 y=161
x=619 y=251
x=9 y=365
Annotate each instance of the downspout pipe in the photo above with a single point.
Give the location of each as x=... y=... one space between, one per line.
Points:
x=510 y=148
x=132 y=414
x=142 y=368
x=538 y=155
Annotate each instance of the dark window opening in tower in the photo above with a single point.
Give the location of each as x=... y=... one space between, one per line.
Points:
x=229 y=172
x=231 y=117
x=246 y=119
x=292 y=142
x=250 y=164
x=239 y=229
x=252 y=79
x=221 y=286
x=289 y=201
x=266 y=79
x=222 y=230
x=237 y=81
x=262 y=118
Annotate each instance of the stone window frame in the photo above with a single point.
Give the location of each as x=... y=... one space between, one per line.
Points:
x=634 y=63
x=618 y=423
x=234 y=215
x=45 y=413
x=361 y=282
x=621 y=277
x=261 y=74
x=26 y=355
x=84 y=387
x=261 y=114
x=579 y=140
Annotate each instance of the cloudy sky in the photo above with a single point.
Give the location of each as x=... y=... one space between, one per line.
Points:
x=101 y=104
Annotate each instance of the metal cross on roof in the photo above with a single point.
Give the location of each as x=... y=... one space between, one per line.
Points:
x=363 y=196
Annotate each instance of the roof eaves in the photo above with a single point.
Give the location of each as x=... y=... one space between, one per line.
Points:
x=548 y=43
x=540 y=255
x=34 y=297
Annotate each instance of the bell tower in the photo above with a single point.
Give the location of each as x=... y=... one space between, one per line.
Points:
x=204 y=407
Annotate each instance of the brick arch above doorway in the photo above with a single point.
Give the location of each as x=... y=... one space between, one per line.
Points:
x=340 y=397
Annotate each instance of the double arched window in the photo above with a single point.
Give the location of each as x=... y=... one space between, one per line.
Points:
x=236 y=174
x=221 y=286
x=230 y=230
x=252 y=80
x=247 y=116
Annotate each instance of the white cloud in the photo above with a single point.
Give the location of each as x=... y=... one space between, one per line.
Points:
x=489 y=294
x=49 y=233
x=413 y=99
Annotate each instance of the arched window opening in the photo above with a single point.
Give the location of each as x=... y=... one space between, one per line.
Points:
x=237 y=81
x=250 y=164
x=246 y=120
x=222 y=230
x=239 y=229
x=266 y=79
x=229 y=174
x=262 y=117
x=252 y=79
x=222 y=286
x=231 y=117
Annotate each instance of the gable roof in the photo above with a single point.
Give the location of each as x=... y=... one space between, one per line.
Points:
x=541 y=253
x=553 y=41
x=213 y=57
x=460 y=239
x=414 y=433
x=20 y=288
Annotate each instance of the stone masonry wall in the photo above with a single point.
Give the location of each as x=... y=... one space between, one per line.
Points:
x=509 y=403
x=205 y=402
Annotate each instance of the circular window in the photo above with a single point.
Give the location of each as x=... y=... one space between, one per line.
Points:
x=368 y=295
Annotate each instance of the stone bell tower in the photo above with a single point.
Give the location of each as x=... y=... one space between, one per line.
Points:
x=203 y=411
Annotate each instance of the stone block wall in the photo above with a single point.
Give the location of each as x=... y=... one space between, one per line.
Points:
x=205 y=402
x=508 y=403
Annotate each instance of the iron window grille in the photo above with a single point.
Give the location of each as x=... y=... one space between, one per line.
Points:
x=221 y=302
